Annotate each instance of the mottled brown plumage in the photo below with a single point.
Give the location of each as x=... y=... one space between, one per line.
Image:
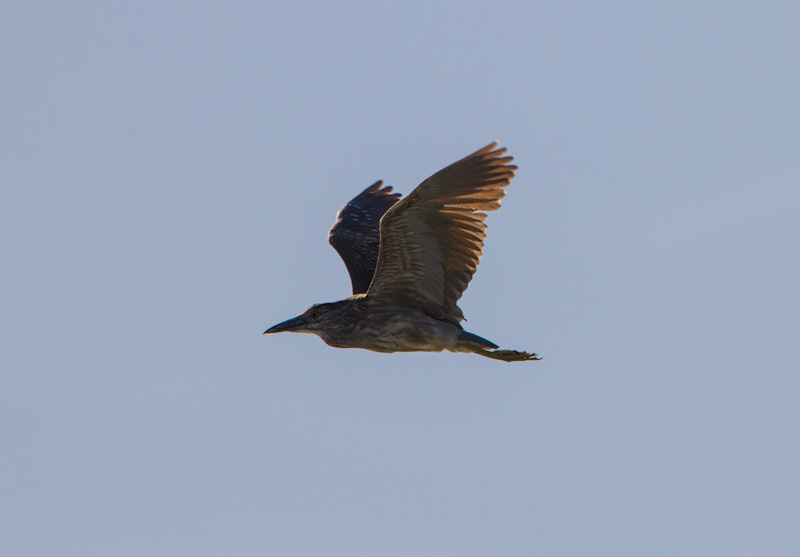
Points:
x=417 y=256
x=432 y=240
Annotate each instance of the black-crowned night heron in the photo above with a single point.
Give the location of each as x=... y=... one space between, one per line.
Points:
x=410 y=261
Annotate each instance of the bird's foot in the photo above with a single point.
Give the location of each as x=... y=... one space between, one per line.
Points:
x=509 y=355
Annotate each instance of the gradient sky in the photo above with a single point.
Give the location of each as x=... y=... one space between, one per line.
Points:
x=169 y=173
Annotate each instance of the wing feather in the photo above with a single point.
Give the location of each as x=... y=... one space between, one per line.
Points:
x=356 y=235
x=431 y=241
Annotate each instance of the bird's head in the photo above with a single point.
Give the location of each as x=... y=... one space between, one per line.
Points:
x=312 y=320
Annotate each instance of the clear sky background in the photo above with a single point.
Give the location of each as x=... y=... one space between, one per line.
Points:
x=169 y=174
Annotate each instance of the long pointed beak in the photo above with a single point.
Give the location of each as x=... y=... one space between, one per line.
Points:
x=295 y=324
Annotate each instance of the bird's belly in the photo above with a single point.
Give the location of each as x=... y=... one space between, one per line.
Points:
x=400 y=334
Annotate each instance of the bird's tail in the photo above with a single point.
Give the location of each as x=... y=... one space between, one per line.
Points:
x=479 y=342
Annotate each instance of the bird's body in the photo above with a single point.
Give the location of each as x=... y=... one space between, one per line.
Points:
x=387 y=328
x=391 y=329
x=410 y=261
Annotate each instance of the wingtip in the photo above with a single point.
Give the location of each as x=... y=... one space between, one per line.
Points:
x=374 y=187
x=492 y=146
x=379 y=189
x=493 y=149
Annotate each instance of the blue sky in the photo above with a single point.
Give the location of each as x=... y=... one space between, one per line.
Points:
x=169 y=173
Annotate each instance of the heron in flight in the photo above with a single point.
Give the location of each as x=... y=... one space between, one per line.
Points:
x=410 y=261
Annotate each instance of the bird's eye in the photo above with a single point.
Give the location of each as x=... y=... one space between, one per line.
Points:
x=314 y=315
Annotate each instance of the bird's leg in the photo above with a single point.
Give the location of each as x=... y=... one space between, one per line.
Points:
x=507 y=355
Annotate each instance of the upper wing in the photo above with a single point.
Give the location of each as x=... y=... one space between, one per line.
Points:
x=431 y=241
x=356 y=236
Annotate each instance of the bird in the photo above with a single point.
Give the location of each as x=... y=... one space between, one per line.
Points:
x=410 y=260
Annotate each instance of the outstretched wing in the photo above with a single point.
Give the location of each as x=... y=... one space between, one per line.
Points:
x=356 y=234
x=431 y=241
